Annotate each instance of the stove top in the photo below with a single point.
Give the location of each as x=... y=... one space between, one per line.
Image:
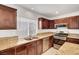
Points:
x=61 y=34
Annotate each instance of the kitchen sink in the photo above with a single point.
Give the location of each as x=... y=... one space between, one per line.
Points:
x=31 y=37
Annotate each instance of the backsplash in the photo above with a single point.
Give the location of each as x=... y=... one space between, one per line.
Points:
x=72 y=31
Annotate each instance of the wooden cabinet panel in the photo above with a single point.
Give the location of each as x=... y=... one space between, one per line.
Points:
x=21 y=50
x=31 y=48
x=7 y=17
x=50 y=41
x=51 y=24
x=39 y=47
x=74 y=22
x=73 y=40
x=60 y=21
x=10 y=51
x=45 y=44
x=44 y=23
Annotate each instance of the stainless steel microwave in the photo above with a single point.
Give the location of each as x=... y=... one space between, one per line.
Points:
x=60 y=25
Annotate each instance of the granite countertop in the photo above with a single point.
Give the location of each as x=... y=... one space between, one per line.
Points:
x=8 y=42
x=73 y=36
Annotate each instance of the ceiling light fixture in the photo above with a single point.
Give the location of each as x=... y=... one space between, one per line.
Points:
x=32 y=8
x=57 y=12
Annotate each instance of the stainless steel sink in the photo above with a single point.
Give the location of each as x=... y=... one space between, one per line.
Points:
x=31 y=37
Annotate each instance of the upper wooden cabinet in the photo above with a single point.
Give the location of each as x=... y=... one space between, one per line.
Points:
x=59 y=21
x=7 y=17
x=73 y=22
x=51 y=24
x=45 y=23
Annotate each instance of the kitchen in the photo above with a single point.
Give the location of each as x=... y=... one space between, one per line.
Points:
x=29 y=29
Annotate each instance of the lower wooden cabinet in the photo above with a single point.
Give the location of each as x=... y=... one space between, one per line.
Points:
x=31 y=48
x=10 y=51
x=39 y=47
x=50 y=41
x=21 y=50
x=45 y=44
x=73 y=40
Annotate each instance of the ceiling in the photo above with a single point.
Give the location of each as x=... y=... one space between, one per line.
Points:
x=52 y=10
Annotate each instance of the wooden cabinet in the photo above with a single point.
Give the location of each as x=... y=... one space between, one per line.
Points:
x=45 y=44
x=10 y=51
x=51 y=24
x=7 y=17
x=31 y=48
x=39 y=47
x=43 y=23
x=73 y=22
x=73 y=40
x=50 y=41
x=60 y=21
x=21 y=50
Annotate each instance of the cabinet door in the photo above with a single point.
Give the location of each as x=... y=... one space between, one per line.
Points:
x=31 y=48
x=45 y=44
x=39 y=47
x=51 y=41
x=73 y=40
x=43 y=23
x=51 y=24
x=10 y=51
x=7 y=17
x=60 y=21
x=21 y=50
x=73 y=22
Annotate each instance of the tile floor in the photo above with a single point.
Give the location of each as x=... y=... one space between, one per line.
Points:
x=53 y=50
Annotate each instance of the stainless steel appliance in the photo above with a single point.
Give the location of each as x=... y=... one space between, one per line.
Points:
x=60 y=38
x=61 y=25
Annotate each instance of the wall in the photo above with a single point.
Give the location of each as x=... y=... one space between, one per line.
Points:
x=22 y=14
x=73 y=31
x=28 y=15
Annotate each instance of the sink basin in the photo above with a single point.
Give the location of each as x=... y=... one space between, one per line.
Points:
x=30 y=38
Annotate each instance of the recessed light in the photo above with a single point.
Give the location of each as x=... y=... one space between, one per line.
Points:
x=57 y=12
x=32 y=8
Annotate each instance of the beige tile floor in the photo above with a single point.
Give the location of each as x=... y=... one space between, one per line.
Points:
x=53 y=50
x=56 y=46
